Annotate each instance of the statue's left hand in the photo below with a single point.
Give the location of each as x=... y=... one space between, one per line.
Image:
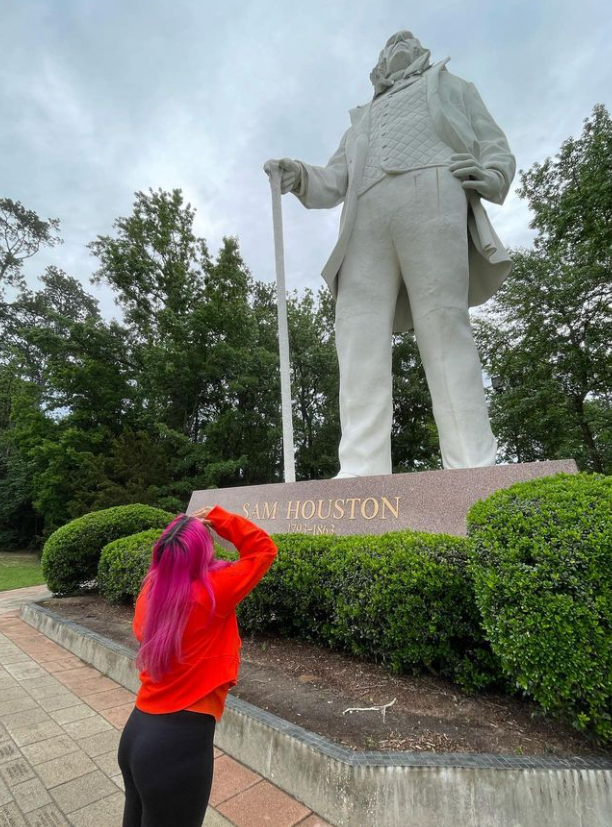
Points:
x=474 y=176
x=290 y=173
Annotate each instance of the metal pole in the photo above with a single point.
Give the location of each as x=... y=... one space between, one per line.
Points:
x=283 y=331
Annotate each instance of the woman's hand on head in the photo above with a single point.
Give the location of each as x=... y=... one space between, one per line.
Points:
x=202 y=513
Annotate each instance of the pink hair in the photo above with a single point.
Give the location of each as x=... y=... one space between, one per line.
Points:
x=183 y=554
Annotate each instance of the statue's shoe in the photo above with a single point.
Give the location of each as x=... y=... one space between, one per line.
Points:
x=344 y=475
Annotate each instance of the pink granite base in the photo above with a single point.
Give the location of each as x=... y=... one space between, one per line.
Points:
x=435 y=501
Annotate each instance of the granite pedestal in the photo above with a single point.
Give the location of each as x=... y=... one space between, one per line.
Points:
x=435 y=501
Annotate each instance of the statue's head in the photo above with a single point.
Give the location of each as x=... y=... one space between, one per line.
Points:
x=401 y=51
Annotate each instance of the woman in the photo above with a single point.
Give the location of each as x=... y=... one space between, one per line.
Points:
x=185 y=620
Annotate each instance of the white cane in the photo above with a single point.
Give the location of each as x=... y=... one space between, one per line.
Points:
x=283 y=331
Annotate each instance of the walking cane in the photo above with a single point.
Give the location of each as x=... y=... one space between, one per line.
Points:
x=283 y=332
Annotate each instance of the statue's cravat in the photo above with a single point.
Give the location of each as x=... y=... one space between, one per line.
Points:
x=417 y=67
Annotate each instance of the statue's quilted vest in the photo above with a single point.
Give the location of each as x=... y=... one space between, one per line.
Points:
x=402 y=135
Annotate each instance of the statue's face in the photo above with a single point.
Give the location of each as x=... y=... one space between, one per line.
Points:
x=400 y=51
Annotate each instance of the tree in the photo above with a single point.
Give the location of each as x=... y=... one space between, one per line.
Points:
x=68 y=396
x=314 y=381
x=155 y=262
x=22 y=234
x=18 y=520
x=414 y=437
x=548 y=334
x=571 y=197
x=203 y=377
x=240 y=402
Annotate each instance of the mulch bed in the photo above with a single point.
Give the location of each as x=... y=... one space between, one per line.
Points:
x=313 y=687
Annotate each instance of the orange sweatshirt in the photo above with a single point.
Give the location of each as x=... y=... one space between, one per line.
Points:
x=210 y=650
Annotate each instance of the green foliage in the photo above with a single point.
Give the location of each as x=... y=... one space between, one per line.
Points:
x=183 y=395
x=402 y=599
x=71 y=554
x=22 y=234
x=414 y=437
x=571 y=194
x=541 y=560
x=546 y=334
x=17 y=519
x=123 y=565
x=205 y=368
x=314 y=379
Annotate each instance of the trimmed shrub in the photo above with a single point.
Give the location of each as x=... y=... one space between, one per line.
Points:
x=123 y=565
x=401 y=599
x=294 y=598
x=541 y=560
x=71 y=554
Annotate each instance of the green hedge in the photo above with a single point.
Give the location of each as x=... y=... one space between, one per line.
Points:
x=124 y=563
x=71 y=554
x=541 y=561
x=401 y=599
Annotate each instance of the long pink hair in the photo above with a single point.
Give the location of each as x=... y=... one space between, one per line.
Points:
x=184 y=554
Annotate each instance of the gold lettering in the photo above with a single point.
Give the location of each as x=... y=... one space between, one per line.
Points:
x=245 y=510
x=394 y=511
x=317 y=528
x=369 y=508
x=363 y=508
x=269 y=513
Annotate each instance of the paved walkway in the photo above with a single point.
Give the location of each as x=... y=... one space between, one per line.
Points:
x=60 y=724
x=11 y=600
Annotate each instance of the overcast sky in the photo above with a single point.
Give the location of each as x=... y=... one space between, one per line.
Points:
x=100 y=98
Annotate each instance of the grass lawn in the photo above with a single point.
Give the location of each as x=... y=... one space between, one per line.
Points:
x=19 y=570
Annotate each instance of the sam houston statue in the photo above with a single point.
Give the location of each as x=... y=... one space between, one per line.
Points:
x=415 y=250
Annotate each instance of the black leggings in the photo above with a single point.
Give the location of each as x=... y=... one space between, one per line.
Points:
x=167 y=766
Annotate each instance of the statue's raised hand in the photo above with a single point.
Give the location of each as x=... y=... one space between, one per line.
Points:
x=474 y=176
x=290 y=172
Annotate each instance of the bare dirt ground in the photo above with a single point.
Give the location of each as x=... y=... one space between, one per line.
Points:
x=314 y=687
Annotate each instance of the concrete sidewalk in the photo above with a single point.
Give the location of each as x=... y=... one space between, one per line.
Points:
x=60 y=724
x=12 y=600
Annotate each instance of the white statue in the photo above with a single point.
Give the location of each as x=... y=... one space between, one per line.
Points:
x=415 y=250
